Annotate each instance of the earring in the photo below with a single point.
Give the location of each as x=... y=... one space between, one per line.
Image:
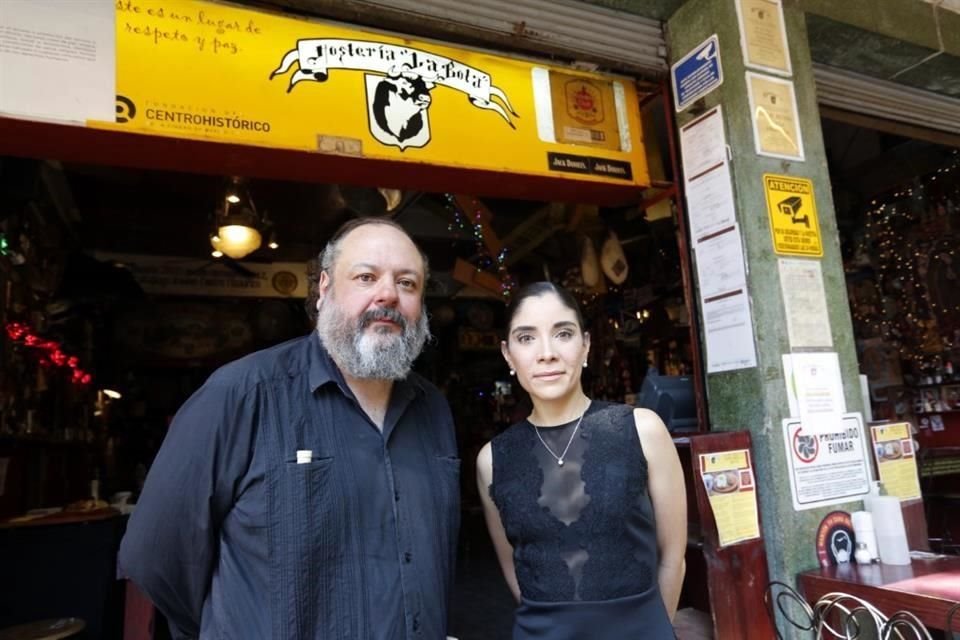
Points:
x=584 y=364
x=512 y=372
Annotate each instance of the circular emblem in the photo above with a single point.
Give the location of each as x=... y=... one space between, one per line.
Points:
x=284 y=282
x=126 y=109
x=835 y=539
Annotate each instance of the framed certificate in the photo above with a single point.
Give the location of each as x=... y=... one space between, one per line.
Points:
x=773 y=112
x=763 y=36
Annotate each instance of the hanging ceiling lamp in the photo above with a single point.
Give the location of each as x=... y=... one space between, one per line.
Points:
x=238 y=229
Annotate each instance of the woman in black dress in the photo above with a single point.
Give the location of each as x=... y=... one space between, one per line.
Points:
x=584 y=499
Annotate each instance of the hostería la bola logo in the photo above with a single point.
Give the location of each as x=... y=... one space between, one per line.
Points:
x=398 y=81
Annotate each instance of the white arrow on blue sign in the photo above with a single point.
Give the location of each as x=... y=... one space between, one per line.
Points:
x=697 y=73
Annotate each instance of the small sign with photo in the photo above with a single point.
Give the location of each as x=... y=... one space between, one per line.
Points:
x=936 y=422
x=950 y=396
x=896 y=458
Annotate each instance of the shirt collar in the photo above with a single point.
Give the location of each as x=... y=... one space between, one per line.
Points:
x=322 y=369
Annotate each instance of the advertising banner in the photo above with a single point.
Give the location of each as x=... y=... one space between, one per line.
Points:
x=208 y=71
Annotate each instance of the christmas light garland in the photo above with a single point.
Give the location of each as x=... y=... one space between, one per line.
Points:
x=902 y=264
x=461 y=224
x=50 y=352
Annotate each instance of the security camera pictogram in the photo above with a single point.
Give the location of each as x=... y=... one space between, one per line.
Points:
x=791 y=207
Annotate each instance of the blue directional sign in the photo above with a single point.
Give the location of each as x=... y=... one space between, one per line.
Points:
x=697 y=73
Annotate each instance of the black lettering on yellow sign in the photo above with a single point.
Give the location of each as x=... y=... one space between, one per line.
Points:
x=792 y=210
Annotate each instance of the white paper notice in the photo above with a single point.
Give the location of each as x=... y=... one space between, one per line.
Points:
x=805 y=302
x=720 y=263
x=703 y=144
x=728 y=328
x=710 y=204
x=815 y=390
x=721 y=271
x=58 y=59
x=829 y=467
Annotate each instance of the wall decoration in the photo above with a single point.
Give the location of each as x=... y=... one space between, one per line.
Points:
x=49 y=353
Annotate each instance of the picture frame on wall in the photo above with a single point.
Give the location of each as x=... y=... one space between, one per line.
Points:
x=774 y=116
x=763 y=36
x=950 y=397
x=927 y=400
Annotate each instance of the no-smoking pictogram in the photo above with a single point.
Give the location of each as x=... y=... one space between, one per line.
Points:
x=805 y=447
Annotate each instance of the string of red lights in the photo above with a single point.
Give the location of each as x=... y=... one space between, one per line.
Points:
x=50 y=353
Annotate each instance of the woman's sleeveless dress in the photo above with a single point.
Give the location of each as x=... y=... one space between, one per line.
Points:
x=583 y=533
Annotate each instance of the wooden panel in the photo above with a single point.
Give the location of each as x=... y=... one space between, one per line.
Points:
x=737 y=574
x=915 y=522
x=117 y=148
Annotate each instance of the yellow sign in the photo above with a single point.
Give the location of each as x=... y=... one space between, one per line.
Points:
x=731 y=489
x=793 y=215
x=896 y=460
x=725 y=460
x=200 y=70
x=583 y=111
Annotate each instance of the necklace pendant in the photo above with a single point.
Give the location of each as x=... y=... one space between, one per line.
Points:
x=560 y=461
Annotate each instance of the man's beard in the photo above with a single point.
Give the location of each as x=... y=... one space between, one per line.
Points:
x=380 y=354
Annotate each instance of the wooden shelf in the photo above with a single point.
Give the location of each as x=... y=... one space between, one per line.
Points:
x=947 y=383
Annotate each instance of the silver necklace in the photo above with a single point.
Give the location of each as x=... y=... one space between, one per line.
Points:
x=563 y=455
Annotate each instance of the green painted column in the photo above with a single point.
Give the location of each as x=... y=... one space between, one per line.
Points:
x=755 y=399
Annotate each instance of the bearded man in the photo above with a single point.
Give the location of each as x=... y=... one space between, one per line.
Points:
x=311 y=490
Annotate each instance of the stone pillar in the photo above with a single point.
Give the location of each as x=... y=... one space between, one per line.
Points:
x=755 y=399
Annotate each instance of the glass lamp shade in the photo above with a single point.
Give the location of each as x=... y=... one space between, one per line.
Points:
x=236 y=241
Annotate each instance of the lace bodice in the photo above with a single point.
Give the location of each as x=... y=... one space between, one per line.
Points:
x=584 y=530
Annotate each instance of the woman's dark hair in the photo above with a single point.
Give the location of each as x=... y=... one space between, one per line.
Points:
x=542 y=288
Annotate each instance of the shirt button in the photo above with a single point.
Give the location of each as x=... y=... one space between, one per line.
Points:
x=407 y=557
x=396 y=496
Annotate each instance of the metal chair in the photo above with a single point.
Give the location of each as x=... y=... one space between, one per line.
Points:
x=841 y=615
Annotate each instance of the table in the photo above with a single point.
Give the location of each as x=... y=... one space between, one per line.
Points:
x=927 y=588
x=59 y=517
x=63 y=565
x=44 y=630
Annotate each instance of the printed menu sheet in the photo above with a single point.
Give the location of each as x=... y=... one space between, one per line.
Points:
x=731 y=489
x=896 y=459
